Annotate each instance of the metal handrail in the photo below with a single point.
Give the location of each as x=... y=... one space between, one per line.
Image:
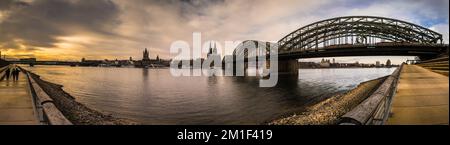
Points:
x=1 y=72
x=376 y=108
x=47 y=112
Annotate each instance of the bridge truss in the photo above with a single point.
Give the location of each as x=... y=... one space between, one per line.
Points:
x=354 y=30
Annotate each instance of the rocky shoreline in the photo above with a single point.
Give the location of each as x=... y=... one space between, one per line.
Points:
x=329 y=111
x=74 y=111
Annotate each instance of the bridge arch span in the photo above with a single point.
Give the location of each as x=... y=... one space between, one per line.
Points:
x=252 y=49
x=354 y=30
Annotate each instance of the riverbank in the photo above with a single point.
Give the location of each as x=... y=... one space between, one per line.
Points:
x=74 y=111
x=329 y=111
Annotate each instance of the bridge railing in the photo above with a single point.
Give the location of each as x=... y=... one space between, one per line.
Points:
x=2 y=72
x=47 y=111
x=369 y=45
x=375 y=109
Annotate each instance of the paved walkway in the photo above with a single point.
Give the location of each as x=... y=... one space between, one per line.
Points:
x=422 y=98
x=16 y=107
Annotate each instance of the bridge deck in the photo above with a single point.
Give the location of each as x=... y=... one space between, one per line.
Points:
x=16 y=107
x=422 y=98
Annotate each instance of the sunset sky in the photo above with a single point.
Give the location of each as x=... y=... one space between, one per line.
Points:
x=110 y=29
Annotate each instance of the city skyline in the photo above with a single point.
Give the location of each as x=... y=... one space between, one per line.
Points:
x=65 y=30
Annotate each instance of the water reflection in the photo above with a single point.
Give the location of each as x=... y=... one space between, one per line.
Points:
x=145 y=74
x=153 y=96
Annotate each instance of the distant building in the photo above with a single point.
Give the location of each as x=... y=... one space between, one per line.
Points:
x=388 y=63
x=212 y=53
x=85 y=62
x=325 y=63
x=28 y=60
x=377 y=64
x=308 y=65
x=145 y=58
x=146 y=62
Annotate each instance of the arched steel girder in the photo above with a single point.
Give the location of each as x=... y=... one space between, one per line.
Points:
x=362 y=19
x=320 y=41
x=346 y=25
x=369 y=29
x=373 y=32
x=310 y=43
x=402 y=29
x=242 y=49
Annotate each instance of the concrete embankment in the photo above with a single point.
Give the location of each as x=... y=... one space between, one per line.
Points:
x=329 y=111
x=74 y=111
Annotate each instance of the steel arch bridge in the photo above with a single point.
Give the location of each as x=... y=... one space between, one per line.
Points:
x=354 y=36
x=356 y=30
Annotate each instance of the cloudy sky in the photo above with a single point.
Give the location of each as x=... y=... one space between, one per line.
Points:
x=109 y=29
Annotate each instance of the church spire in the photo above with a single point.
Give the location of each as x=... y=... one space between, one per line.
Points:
x=146 y=55
x=210 y=49
x=215 y=48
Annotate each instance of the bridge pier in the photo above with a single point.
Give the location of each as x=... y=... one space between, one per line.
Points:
x=288 y=67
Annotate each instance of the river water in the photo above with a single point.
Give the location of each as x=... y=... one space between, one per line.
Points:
x=154 y=96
